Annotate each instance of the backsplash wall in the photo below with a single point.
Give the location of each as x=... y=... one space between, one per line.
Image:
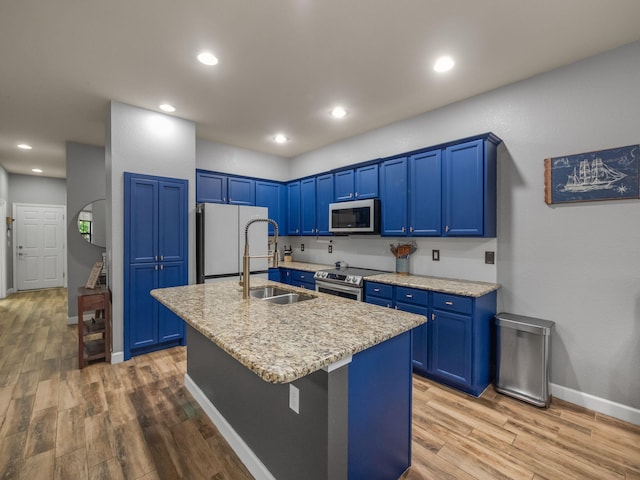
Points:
x=459 y=257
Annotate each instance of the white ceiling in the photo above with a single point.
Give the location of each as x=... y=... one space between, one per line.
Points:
x=283 y=63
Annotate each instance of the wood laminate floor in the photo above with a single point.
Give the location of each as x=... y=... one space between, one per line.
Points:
x=135 y=420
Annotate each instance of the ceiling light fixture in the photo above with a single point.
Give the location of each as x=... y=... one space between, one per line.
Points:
x=165 y=107
x=207 y=58
x=280 y=138
x=338 y=112
x=444 y=64
x=24 y=146
x=36 y=170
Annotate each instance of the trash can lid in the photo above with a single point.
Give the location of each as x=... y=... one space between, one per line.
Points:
x=528 y=324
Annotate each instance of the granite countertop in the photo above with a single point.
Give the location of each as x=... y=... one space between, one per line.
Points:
x=307 y=267
x=467 y=288
x=282 y=343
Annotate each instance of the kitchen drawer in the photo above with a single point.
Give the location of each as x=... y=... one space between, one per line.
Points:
x=454 y=303
x=379 y=290
x=412 y=295
x=300 y=276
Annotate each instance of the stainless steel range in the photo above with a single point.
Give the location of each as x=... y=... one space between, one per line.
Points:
x=343 y=281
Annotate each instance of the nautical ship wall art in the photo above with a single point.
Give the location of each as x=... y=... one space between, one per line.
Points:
x=586 y=177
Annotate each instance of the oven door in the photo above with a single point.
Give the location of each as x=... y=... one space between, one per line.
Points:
x=345 y=291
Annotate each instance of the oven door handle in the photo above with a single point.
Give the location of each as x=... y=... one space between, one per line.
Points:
x=337 y=287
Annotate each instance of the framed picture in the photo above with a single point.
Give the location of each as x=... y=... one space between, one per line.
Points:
x=94 y=275
x=586 y=177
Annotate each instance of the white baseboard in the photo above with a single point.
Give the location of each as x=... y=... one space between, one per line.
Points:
x=246 y=455
x=117 y=357
x=601 y=405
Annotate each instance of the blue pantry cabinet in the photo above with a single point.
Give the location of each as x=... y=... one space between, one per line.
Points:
x=454 y=346
x=155 y=256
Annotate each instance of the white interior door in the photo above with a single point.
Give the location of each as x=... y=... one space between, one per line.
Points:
x=3 y=248
x=39 y=246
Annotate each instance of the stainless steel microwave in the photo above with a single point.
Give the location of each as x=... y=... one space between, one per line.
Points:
x=358 y=216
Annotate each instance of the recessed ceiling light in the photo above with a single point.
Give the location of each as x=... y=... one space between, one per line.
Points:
x=444 y=64
x=24 y=146
x=207 y=58
x=167 y=108
x=338 y=112
x=36 y=170
x=280 y=138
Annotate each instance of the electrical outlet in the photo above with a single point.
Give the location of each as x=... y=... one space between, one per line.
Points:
x=302 y=247
x=489 y=258
x=435 y=255
x=330 y=248
x=294 y=398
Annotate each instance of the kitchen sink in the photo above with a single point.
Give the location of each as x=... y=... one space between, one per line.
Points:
x=279 y=296
x=264 y=292
x=288 y=298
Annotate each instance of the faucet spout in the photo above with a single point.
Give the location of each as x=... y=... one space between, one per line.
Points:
x=246 y=258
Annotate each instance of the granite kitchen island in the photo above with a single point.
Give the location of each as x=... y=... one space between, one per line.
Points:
x=319 y=389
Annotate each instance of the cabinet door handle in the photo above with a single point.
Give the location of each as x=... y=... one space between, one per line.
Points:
x=433 y=316
x=376 y=289
x=161 y=267
x=155 y=267
x=388 y=305
x=448 y=303
x=350 y=195
x=402 y=229
x=411 y=229
x=356 y=194
x=155 y=257
x=446 y=229
x=161 y=257
x=408 y=295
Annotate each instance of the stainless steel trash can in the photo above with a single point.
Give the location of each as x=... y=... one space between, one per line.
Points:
x=523 y=358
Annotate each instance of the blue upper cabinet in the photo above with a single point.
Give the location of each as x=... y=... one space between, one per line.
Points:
x=210 y=187
x=242 y=191
x=469 y=189
x=367 y=182
x=425 y=204
x=324 y=196
x=393 y=196
x=293 y=208
x=273 y=196
x=356 y=184
x=344 y=185
x=308 y=206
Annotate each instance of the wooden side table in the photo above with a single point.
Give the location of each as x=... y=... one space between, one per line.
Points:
x=94 y=336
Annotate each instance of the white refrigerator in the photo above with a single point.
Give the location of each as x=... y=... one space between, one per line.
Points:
x=220 y=235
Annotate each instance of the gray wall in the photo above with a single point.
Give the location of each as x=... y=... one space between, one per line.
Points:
x=85 y=183
x=239 y=161
x=576 y=264
x=36 y=190
x=142 y=141
x=4 y=198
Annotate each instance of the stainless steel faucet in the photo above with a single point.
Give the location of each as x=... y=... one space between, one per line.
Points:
x=246 y=259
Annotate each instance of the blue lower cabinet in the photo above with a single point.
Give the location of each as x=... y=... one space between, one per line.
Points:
x=300 y=278
x=274 y=275
x=454 y=347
